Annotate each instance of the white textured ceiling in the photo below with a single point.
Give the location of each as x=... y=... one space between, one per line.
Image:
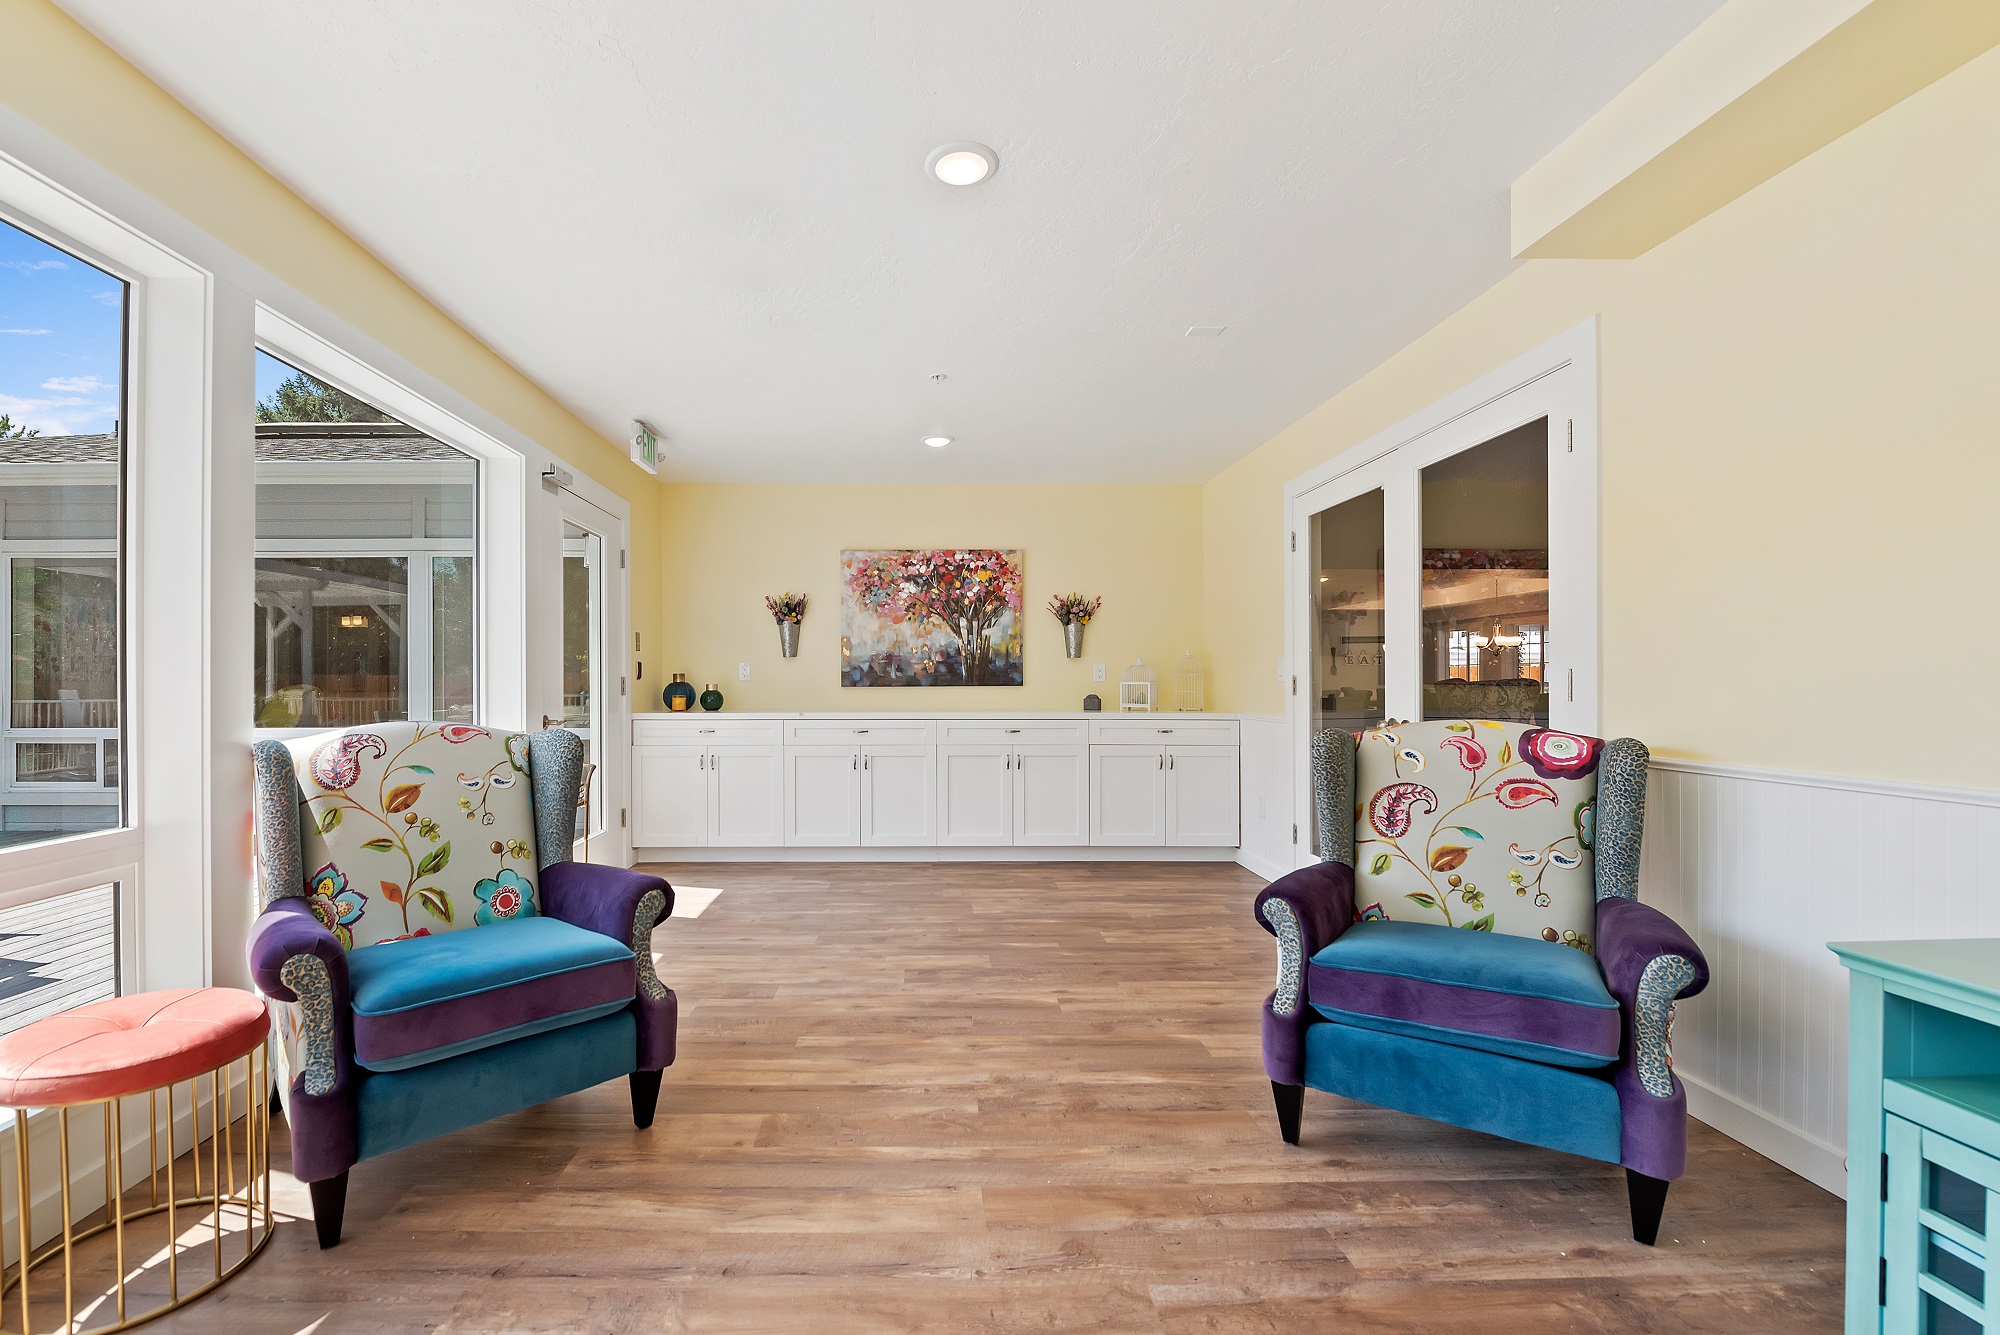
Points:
x=713 y=214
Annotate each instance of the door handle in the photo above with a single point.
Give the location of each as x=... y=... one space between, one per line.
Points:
x=548 y=722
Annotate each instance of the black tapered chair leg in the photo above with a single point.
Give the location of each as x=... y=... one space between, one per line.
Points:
x=1291 y=1100
x=645 y=1097
x=329 y=1202
x=1649 y=1199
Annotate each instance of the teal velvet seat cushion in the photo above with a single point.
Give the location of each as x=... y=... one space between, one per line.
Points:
x=428 y=998
x=1513 y=995
x=405 y=1107
x=1557 y=1107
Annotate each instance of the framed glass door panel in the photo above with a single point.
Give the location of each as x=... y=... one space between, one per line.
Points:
x=1485 y=635
x=588 y=684
x=1349 y=680
x=582 y=656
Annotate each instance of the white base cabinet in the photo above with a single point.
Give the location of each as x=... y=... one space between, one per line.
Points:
x=718 y=787
x=968 y=781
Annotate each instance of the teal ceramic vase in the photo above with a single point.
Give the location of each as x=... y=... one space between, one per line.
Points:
x=679 y=696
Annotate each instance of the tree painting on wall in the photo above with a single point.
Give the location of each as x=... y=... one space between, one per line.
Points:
x=945 y=617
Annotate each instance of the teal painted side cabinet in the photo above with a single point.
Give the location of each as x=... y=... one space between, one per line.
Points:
x=1923 y=1137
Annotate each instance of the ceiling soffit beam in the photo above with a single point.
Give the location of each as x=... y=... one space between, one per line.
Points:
x=1759 y=86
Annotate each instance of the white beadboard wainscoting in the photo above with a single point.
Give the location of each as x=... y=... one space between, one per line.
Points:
x=1763 y=868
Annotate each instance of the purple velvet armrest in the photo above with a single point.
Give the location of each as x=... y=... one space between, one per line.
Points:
x=1305 y=910
x=286 y=929
x=297 y=961
x=624 y=905
x=1649 y=963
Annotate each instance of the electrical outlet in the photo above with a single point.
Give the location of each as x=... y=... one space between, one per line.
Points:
x=1097 y=672
x=742 y=672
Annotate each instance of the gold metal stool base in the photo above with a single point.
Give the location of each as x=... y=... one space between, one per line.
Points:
x=199 y=1246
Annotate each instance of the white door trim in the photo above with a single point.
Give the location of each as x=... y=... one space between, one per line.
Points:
x=585 y=507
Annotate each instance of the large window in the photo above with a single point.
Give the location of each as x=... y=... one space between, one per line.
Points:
x=366 y=532
x=62 y=376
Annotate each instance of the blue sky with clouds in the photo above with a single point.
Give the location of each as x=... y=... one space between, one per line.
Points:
x=60 y=330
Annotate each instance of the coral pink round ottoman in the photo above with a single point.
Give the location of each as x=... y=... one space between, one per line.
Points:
x=87 y=1064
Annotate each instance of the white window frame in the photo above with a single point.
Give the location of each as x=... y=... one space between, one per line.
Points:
x=501 y=545
x=1557 y=381
x=166 y=772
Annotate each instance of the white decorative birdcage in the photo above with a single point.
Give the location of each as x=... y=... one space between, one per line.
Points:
x=1187 y=684
x=1135 y=688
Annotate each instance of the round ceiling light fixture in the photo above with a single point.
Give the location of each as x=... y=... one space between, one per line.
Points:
x=962 y=164
x=937 y=442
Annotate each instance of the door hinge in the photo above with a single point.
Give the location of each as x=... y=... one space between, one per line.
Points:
x=621 y=686
x=1572 y=435
x=1882 y=1282
x=1295 y=539
x=1885 y=1177
x=1295 y=683
x=635 y=641
x=1572 y=685
x=1295 y=832
x=621 y=818
x=621 y=558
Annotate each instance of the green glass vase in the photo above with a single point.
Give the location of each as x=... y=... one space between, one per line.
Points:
x=711 y=698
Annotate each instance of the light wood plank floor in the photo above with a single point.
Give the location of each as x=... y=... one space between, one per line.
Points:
x=1018 y=1097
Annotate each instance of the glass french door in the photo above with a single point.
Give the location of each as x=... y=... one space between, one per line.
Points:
x=590 y=666
x=1440 y=579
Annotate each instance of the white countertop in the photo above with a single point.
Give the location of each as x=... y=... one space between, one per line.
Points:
x=924 y=714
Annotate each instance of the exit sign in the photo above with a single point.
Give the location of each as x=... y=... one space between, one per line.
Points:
x=645 y=447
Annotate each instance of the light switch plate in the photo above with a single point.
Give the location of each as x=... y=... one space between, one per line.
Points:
x=1097 y=672
x=1282 y=674
x=742 y=672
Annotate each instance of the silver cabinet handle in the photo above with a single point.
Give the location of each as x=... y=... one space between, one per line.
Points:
x=714 y=762
x=703 y=762
x=1013 y=730
x=854 y=762
x=864 y=762
x=1170 y=762
x=1008 y=762
x=1163 y=762
x=859 y=731
x=706 y=731
x=1166 y=729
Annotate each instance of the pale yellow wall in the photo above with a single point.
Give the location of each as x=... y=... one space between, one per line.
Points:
x=1811 y=373
x=726 y=546
x=63 y=79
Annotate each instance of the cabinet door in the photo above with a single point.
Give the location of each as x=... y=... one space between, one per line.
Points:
x=975 y=795
x=746 y=797
x=822 y=796
x=1201 y=796
x=1051 y=795
x=669 y=797
x=1128 y=796
x=898 y=795
x=1939 y=1223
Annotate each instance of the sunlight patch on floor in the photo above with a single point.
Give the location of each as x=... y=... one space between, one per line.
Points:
x=690 y=901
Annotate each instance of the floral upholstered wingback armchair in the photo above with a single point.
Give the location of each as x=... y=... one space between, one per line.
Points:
x=1471 y=948
x=436 y=958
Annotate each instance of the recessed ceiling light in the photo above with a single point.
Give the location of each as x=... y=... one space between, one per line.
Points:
x=937 y=442
x=962 y=164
